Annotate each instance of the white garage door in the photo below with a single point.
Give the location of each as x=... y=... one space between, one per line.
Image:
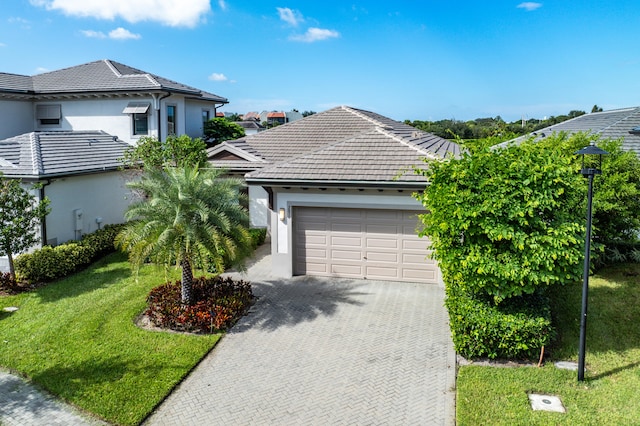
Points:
x=361 y=243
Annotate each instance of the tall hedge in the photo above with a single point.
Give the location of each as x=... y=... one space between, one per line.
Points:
x=506 y=222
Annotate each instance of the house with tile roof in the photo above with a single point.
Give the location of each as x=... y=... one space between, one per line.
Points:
x=334 y=189
x=67 y=129
x=622 y=124
x=104 y=95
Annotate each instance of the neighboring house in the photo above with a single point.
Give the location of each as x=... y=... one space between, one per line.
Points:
x=335 y=190
x=274 y=118
x=251 y=127
x=79 y=173
x=103 y=95
x=621 y=124
x=68 y=128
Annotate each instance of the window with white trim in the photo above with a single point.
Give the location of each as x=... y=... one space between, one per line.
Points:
x=171 y=119
x=139 y=112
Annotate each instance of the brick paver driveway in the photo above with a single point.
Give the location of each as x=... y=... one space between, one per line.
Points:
x=318 y=351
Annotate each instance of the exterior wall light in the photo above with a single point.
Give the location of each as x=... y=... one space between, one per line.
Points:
x=281 y=214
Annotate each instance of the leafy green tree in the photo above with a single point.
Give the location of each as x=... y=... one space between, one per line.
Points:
x=189 y=216
x=616 y=196
x=307 y=113
x=176 y=151
x=596 y=108
x=20 y=215
x=506 y=222
x=218 y=130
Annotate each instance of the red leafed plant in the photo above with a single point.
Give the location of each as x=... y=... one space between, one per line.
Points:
x=218 y=303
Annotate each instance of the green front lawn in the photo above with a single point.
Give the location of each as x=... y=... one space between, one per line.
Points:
x=77 y=339
x=610 y=394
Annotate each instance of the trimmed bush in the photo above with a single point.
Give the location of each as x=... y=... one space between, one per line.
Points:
x=50 y=263
x=258 y=235
x=218 y=303
x=515 y=329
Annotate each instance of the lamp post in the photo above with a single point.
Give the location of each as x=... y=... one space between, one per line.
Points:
x=589 y=172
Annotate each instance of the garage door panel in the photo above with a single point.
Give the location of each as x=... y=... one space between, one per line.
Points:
x=361 y=243
x=377 y=256
x=343 y=241
x=378 y=272
x=346 y=255
x=347 y=270
x=386 y=243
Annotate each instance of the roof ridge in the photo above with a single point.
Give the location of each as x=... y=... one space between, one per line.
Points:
x=357 y=113
x=152 y=79
x=36 y=153
x=634 y=110
x=407 y=143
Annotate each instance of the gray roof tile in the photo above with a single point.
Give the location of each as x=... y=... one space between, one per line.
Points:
x=613 y=124
x=58 y=153
x=342 y=143
x=97 y=77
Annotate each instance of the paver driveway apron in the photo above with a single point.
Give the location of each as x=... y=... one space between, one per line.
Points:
x=322 y=351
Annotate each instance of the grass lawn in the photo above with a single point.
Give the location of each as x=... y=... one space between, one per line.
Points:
x=610 y=394
x=77 y=339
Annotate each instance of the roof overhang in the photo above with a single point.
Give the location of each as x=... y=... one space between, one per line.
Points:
x=414 y=185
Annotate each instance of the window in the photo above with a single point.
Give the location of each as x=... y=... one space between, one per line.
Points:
x=171 y=119
x=139 y=117
x=48 y=115
x=205 y=116
x=140 y=124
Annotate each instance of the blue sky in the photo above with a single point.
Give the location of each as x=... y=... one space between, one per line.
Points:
x=417 y=60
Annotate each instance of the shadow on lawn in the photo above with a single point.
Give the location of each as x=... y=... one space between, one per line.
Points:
x=100 y=274
x=612 y=315
x=297 y=300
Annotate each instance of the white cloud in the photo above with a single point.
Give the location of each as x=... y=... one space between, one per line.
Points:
x=122 y=34
x=184 y=13
x=93 y=34
x=529 y=6
x=218 y=77
x=315 y=34
x=117 y=34
x=222 y=4
x=291 y=17
x=2 y=44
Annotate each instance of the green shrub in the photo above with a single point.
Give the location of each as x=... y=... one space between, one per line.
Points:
x=515 y=329
x=258 y=235
x=50 y=263
x=218 y=303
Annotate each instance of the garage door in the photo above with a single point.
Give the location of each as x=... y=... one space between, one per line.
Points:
x=361 y=243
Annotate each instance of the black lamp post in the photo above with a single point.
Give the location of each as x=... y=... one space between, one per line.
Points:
x=588 y=171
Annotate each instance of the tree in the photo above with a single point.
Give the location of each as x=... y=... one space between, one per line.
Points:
x=176 y=151
x=307 y=113
x=218 y=130
x=189 y=216
x=506 y=222
x=20 y=215
x=596 y=108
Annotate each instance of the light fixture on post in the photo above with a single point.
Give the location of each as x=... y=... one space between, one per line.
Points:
x=281 y=214
x=588 y=171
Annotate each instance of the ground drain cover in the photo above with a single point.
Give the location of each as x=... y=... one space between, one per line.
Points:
x=567 y=365
x=546 y=403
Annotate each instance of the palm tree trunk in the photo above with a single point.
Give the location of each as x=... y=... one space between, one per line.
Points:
x=187 y=282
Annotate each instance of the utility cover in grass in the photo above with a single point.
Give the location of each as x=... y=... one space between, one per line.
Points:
x=546 y=403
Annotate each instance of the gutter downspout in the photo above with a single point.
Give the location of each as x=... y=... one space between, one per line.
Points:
x=156 y=106
x=43 y=222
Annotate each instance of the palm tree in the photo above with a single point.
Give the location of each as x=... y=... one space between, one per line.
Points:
x=187 y=216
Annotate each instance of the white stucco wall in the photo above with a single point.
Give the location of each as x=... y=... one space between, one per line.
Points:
x=258 y=207
x=17 y=118
x=101 y=195
x=282 y=231
x=193 y=118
